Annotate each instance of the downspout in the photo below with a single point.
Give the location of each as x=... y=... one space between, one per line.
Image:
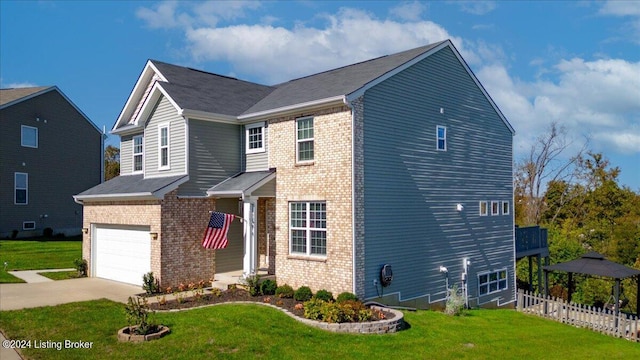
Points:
x=102 y=149
x=353 y=196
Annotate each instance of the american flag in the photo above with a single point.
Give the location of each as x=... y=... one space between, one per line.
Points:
x=216 y=235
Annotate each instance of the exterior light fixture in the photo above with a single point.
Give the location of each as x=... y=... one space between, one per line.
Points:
x=459 y=207
x=154 y=235
x=85 y=230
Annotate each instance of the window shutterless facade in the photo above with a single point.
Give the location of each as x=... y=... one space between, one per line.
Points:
x=29 y=136
x=163 y=147
x=28 y=225
x=254 y=138
x=492 y=282
x=495 y=208
x=441 y=138
x=304 y=139
x=138 y=153
x=308 y=228
x=21 y=188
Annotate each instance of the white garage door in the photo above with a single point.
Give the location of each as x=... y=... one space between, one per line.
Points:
x=122 y=254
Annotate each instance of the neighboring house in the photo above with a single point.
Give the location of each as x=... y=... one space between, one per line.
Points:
x=49 y=151
x=401 y=160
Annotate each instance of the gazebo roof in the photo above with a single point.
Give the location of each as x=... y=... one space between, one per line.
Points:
x=593 y=263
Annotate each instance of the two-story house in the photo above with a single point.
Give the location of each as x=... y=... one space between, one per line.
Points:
x=49 y=151
x=403 y=160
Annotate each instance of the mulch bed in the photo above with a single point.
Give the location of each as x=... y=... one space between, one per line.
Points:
x=231 y=295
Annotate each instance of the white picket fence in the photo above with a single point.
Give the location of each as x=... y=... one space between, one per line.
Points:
x=600 y=320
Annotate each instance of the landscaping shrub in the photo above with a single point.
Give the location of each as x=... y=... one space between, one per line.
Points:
x=137 y=312
x=268 y=287
x=346 y=296
x=150 y=284
x=336 y=312
x=47 y=232
x=285 y=292
x=324 y=295
x=253 y=284
x=303 y=294
x=313 y=309
x=81 y=266
x=455 y=302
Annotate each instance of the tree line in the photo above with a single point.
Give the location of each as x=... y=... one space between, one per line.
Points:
x=578 y=198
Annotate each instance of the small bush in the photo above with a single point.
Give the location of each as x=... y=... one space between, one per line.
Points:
x=285 y=292
x=455 y=302
x=81 y=266
x=268 y=287
x=303 y=294
x=345 y=296
x=313 y=309
x=253 y=284
x=150 y=284
x=14 y=234
x=137 y=311
x=324 y=295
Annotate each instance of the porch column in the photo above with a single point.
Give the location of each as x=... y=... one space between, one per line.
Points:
x=249 y=261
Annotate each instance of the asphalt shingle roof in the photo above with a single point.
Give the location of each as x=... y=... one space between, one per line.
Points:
x=240 y=182
x=132 y=185
x=10 y=95
x=203 y=91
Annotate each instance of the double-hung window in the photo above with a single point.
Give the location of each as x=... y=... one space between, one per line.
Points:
x=21 y=188
x=29 y=136
x=441 y=138
x=484 y=209
x=495 y=208
x=505 y=208
x=163 y=147
x=255 y=138
x=138 y=152
x=304 y=139
x=308 y=224
x=492 y=282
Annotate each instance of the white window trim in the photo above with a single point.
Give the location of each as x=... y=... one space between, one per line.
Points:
x=134 y=154
x=15 y=188
x=312 y=140
x=486 y=208
x=438 y=127
x=507 y=210
x=24 y=223
x=262 y=131
x=497 y=281
x=160 y=147
x=22 y=127
x=495 y=205
x=307 y=229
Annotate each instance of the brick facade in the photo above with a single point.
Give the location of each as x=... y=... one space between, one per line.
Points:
x=327 y=179
x=177 y=255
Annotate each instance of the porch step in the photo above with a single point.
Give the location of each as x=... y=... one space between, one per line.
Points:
x=222 y=281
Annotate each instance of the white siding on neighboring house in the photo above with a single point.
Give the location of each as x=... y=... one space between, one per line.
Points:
x=126 y=154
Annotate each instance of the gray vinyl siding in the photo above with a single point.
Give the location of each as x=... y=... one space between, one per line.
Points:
x=66 y=162
x=126 y=154
x=258 y=161
x=230 y=258
x=214 y=155
x=164 y=114
x=411 y=189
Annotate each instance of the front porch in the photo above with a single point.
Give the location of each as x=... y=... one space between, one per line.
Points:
x=224 y=280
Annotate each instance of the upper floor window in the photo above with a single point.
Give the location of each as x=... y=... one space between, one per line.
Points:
x=255 y=138
x=21 y=188
x=495 y=208
x=163 y=143
x=441 y=138
x=308 y=228
x=492 y=282
x=138 y=152
x=304 y=139
x=29 y=136
x=505 y=208
x=484 y=209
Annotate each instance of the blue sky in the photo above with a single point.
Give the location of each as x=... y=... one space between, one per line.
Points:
x=576 y=63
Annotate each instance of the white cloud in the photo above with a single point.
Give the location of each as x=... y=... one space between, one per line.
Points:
x=409 y=11
x=170 y=14
x=15 y=85
x=621 y=8
x=346 y=37
x=476 y=7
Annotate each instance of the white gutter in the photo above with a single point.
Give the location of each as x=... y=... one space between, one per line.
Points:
x=290 y=108
x=203 y=115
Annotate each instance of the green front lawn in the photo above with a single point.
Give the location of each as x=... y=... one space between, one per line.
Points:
x=37 y=254
x=254 y=331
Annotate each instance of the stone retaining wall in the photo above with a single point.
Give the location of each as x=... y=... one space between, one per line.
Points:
x=386 y=326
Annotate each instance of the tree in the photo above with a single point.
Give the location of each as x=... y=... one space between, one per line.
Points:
x=545 y=163
x=111 y=162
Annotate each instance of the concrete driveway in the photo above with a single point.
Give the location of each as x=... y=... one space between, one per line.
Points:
x=30 y=295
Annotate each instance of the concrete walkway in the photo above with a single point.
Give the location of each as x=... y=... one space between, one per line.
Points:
x=32 y=276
